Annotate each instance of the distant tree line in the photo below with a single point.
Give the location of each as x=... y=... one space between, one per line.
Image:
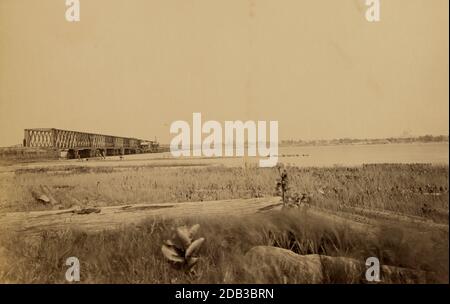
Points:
x=350 y=141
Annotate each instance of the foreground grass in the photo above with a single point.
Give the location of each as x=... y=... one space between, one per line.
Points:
x=410 y=189
x=133 y=254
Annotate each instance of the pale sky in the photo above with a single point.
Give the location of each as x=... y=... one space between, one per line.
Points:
x=132 y=67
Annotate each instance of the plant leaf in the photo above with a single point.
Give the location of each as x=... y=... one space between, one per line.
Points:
x=193 y=230
x=171 y=254
x=194 y=247
x=170 y=243
x=183 y=236
x=192 y=262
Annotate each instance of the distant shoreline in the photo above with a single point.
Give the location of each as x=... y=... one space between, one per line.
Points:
x=349 y=141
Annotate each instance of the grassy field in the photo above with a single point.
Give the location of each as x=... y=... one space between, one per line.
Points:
x=410 y=189
x=133 y=254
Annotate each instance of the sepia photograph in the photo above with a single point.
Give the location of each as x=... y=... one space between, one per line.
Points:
x=189 y=142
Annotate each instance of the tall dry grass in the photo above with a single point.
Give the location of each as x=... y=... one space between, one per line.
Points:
x=409 y=189
x=133 y=254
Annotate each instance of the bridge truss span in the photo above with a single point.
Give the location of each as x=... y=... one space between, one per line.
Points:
x=82 y=144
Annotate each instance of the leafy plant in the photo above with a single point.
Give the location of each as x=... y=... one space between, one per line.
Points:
x=181 y=250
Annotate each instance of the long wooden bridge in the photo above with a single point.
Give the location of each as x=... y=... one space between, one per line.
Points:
x=82 y=144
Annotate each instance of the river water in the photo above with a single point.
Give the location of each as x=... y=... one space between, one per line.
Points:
x=342 y=155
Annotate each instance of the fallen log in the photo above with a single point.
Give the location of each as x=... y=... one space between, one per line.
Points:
x=269 y=264
x=113 y=217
